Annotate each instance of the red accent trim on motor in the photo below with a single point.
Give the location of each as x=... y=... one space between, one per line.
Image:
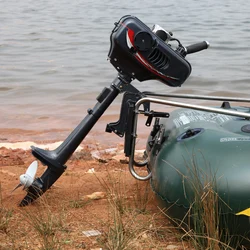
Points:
x=138 y=55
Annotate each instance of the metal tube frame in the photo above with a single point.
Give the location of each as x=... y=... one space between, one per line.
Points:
x=182 y=105
x=200 y=97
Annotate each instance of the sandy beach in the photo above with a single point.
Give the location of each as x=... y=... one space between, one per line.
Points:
x=82 y=200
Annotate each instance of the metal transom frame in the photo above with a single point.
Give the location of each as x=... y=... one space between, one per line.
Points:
x=181 y=105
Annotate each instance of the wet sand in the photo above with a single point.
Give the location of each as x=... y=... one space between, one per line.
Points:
x=44 y=134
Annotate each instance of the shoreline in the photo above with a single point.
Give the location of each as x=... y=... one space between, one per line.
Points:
x=15 y=136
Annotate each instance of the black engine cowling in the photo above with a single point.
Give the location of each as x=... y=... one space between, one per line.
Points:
x=140 y=54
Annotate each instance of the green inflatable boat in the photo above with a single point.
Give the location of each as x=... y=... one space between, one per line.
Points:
x=194 y=154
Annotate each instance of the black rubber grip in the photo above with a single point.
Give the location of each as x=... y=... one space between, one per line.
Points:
x=197 y=47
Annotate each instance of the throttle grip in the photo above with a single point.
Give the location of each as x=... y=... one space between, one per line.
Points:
x=197 y=47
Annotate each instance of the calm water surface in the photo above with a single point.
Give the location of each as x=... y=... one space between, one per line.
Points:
x=53 y=54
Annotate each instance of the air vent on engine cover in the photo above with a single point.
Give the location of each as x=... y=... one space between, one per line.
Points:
x=158 y=59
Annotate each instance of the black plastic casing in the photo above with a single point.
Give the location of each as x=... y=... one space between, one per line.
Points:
x=138 y=53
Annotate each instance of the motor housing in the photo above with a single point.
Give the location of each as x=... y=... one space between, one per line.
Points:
x=139 y=53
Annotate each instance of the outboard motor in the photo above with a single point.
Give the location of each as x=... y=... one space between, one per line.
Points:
x=136 y=52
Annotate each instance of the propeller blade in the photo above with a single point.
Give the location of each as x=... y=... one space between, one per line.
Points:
x=31 y=171
x=19 y=185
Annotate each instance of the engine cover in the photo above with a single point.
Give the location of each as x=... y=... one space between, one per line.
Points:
x=140 y=54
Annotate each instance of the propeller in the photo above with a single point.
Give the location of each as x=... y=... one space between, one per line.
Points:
x=27 y=179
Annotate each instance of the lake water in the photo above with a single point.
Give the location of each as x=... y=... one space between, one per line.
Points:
x=54 y=54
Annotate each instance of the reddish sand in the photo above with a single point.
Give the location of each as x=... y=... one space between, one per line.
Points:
x=67 y=202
